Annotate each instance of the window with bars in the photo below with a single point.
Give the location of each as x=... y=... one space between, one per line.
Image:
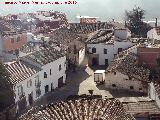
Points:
x=105 y=51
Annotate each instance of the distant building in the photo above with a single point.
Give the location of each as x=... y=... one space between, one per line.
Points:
x=36 y=74
x=87 y=19
x=10 y=44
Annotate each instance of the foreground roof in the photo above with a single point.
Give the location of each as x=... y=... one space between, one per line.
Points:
x=81 y=109
x=142 y=108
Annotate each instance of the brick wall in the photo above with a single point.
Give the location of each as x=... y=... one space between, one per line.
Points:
x=148 y=56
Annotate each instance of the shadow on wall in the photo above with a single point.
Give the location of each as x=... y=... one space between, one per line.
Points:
x=117 y=93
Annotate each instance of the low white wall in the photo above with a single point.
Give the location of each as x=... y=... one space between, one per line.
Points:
x=121 y=83
x=81 y=55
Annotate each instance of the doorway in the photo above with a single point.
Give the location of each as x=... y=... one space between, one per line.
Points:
x=30 y=99
x=46 y=89
x=60 y=82
x=94 y=62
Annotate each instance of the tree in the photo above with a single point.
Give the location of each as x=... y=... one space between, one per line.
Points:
x=6 y=90
x=135 y=22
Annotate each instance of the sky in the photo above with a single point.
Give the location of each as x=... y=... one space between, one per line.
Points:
x=104 y=9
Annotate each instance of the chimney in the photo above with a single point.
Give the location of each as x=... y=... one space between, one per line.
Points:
x=125 y=24
x=156 y=24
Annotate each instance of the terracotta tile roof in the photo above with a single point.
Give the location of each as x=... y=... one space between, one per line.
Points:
x=141 y=108
x=45 y=55
x=20 y=71
x=87 y=28
x=81 y=109
x=64 y=37
x=101 y=36
x=129 y=60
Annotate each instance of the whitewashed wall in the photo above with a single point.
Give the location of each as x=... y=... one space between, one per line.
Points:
x=122 y=33
x=152 y=93
x=26 y=90
x=56 y=74
x=111 y=50
x=53 y=78
x=121 y=83
x=152 y=34
x=81 y=55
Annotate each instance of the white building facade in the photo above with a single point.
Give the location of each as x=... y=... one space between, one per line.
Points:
x=154 y=33
x=33 y=79
x=107 y=52
x=122 y=33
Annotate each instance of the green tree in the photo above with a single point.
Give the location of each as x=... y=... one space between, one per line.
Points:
x=135 y=22
x=6 y=90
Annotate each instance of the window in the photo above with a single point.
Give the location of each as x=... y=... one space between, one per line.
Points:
x=75 y=49
x=60 y=67
x=18 y=39
x=64 y=63
x=119 y=50
x=45 y=75
x=140 y=88
x=20 y=90
x=12 y=40
x=93 y=50
x=37 y=82
x=131 y=87
x=106 y=62
x=105 y=51
x=50 y=72
x=113 y=85
x=29 y=83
